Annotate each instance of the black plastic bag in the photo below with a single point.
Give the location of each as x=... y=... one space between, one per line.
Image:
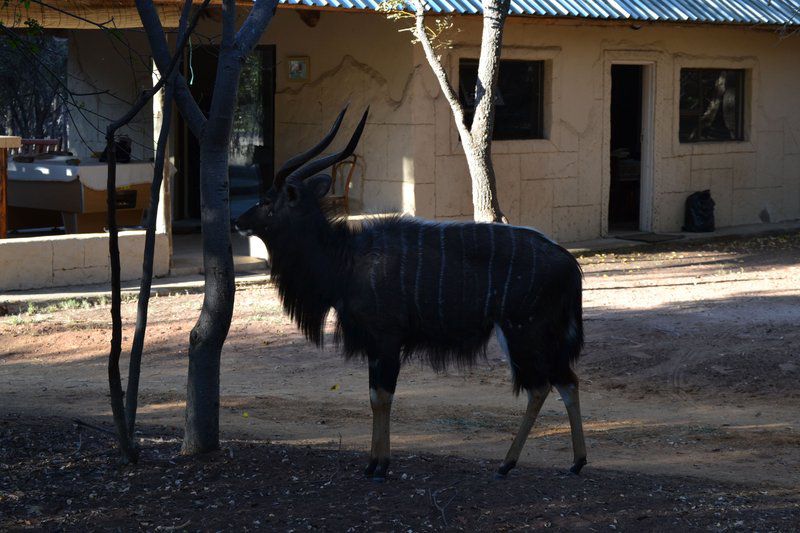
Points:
x=699 y=215
x=122 y=150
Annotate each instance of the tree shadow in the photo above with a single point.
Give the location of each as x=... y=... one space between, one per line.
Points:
x=62 y=477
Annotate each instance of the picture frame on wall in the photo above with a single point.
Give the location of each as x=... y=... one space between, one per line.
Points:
x=299 y=67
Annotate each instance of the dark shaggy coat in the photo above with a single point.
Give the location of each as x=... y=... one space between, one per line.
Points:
x=433 y=289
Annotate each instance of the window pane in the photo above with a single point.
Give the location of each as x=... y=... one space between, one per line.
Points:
x=33 y=77
x=518 y=99
x=467 y=80
x=690 y=90
x=711 y=105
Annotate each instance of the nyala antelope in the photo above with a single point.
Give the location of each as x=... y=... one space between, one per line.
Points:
x=404 y=287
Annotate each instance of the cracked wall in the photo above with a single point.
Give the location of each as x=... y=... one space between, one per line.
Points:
x=560 y=184
x=361 y=60
x=412 y=160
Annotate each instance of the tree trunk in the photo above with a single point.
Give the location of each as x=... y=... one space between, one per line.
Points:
x=135 y=363
x=209 y=334
x=477 y=140
x=485 y=205
x=484 y=189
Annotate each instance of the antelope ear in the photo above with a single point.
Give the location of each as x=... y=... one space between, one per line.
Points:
x=319 y=185
x=292 y=193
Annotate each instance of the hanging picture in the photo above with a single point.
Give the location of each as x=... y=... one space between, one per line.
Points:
x=298 y=68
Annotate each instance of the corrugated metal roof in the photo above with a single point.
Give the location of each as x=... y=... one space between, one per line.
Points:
x=774 y=12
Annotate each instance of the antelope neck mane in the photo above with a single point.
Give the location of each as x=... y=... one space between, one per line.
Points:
x=309 y=259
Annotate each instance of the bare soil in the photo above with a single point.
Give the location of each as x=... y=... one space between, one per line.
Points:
x=689 y=390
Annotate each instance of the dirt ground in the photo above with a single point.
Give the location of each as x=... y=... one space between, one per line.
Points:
x=689 y=393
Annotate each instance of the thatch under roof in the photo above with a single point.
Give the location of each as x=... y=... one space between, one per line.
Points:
x=89 y=14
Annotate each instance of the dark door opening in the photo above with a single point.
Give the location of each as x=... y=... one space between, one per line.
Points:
x=626 y=147
x=251 y=154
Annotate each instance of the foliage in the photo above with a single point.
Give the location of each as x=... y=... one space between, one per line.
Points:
x=397 y=10
x=248 y=117
x=33 y=79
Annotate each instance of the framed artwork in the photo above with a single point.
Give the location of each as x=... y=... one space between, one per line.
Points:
x=298 y=68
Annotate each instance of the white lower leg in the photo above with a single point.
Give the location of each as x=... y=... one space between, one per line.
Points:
x=381 y=403
x=569 y=394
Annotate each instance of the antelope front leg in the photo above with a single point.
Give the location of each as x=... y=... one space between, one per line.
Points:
x=569 y=394
x=382 y=382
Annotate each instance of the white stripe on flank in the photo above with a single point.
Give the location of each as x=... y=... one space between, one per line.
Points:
x=508 y=276
x=372 y=278
x=533 y=278
x=419 y=269
x=491 y=260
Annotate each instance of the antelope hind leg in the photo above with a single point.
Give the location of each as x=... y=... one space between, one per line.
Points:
x=569 y=394
x=536 y=399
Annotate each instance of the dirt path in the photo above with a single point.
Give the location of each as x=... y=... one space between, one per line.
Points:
x=691 y=368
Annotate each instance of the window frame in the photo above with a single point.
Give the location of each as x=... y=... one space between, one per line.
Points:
x=538 y=130
x=741 y=104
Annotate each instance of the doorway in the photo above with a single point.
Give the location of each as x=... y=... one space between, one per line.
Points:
x=629 y=147
x=251 y=154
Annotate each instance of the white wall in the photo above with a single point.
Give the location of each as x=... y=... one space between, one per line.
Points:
x=412 y=158
x=363 y=60
x=61 y=260
x=560 y=184
x=97 y=62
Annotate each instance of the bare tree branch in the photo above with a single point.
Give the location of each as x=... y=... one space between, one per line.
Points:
x=253 y=27
x=123 y=419
x=438 y=71
x=190 y=111
x=494 y=16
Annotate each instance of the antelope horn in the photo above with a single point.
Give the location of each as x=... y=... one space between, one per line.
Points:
x=300 y=159
x=324 y=162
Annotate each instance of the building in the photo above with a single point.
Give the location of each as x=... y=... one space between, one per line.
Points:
x=612 y=112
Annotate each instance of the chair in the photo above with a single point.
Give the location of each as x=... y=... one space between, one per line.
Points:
x=341 y=176
x=39 y=146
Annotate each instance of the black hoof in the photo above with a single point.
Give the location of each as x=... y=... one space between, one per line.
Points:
x=377 y=470
x=504 y=469
x=576 y=468
x=370 y=470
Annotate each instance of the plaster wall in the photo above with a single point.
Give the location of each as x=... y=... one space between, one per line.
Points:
x=413 y=158
x=39 y=262
x=560 y=184
x=115 y=70
x=361 y=60
x=411 y=155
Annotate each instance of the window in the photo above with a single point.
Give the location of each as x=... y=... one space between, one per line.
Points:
x=33 y=77
x=712 y=105
x=519 y=98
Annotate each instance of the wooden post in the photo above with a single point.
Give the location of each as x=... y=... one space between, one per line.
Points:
x=5 y=144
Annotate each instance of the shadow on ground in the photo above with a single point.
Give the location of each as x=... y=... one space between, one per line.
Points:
x=59 y=476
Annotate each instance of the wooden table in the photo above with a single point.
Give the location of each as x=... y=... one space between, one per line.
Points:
x=5 y=144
